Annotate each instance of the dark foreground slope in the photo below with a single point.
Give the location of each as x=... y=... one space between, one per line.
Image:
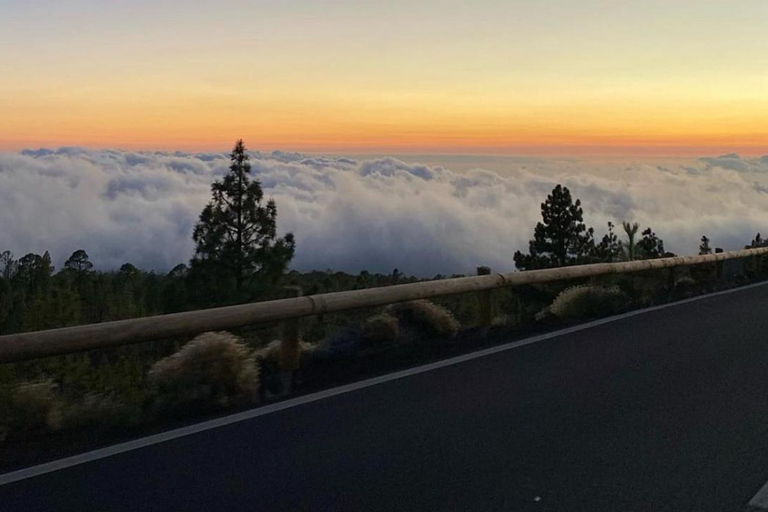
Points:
x=666 y=410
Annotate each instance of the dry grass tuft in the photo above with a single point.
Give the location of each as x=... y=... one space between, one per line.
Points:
x=587 y=301
x=214 y=368
x=425 y=316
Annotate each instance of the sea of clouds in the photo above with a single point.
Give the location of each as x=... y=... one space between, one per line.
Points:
x=353 y=214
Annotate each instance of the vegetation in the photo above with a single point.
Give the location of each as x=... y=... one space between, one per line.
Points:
x=585 y=301
x=424 y=317
x=704 y=248
x=214 y=368
x=237 y=248
x=561 y=238
x=630 y=247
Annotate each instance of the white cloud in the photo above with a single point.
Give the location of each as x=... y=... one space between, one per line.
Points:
x=375 y=214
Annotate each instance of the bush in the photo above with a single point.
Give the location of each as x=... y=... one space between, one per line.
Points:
x=34 y=408
x=215 y=368
x=381 y=330
x=426 y=317
x=589 y=301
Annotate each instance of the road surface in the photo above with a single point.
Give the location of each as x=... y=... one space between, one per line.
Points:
x=664 y=410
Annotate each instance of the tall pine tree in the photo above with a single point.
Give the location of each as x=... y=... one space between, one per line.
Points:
x=561 y=238
x=236 y=236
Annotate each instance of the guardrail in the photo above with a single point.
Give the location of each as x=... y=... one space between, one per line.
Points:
x=31 y=345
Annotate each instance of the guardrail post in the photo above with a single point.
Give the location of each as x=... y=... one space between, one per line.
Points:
x=289 y=344
x=485 y=299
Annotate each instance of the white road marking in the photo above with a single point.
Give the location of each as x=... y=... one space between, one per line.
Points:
x=109 y=451
x=760 y=501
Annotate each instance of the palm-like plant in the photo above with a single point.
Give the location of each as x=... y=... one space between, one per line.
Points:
x=630 y=246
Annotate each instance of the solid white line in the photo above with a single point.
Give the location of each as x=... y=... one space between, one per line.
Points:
x=760 y=501
x=109 y=451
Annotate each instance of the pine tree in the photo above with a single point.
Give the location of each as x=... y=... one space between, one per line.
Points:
x=236 y=234
x=562 y=238
x=79 y=264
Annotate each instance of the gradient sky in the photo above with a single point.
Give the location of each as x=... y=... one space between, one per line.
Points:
x=488 y=76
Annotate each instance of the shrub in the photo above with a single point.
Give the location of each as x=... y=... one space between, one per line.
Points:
x=215 y=368
x=34 y=408
x=381 y=330
x=589 y=301
x=426 y=317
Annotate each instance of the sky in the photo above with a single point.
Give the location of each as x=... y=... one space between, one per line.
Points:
x=681 y=78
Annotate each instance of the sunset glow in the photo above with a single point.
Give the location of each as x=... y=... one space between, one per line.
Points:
x=684 y=77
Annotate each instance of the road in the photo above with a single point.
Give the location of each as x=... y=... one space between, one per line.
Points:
x=664 y=410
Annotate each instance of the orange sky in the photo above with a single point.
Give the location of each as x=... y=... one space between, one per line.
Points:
x=492 y=77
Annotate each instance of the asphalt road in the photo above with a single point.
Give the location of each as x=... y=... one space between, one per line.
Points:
x=666 y=410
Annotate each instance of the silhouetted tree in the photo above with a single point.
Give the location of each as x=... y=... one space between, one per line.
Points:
x=650 y=246
x=757 y=242
x=35 y=272
x=80 y=265
x=704 y=247
x=79 y=262
x=236 y=234
x=562 y=238
x=609 y=248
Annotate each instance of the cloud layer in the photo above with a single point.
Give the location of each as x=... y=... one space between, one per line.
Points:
x=376 y=214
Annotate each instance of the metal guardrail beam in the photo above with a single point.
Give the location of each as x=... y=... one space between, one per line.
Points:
x=31 y=345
